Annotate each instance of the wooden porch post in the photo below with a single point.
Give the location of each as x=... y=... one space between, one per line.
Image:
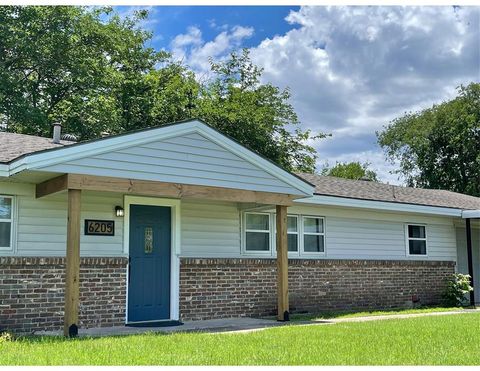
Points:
x=470 y=259
x=282 y=264
x=72 y=271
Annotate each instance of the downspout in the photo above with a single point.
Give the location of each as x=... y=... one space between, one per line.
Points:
x=470 y=259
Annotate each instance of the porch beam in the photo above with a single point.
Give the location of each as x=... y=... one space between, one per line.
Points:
x=50 y=186
x=282 y=264
x=468 y=228
x=72 y=270
x=174 y=190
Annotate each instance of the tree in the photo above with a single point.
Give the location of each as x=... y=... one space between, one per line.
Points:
x=63 y=63
x=90 y=69
x=439 y=147
x=258 y=115
x=350 y=170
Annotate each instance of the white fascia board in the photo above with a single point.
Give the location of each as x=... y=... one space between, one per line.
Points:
x=467 y=214
x=70 y=153
x=379 y=205
x=4 y=170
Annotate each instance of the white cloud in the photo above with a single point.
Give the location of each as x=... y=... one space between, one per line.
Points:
x=195 y=52
x=353 y=69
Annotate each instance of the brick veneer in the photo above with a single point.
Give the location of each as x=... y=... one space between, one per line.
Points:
x=32 y=293
x=213 y=288
x=32 y=288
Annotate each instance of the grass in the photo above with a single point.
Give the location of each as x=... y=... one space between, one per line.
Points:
x=435 y=340
x=353 y=314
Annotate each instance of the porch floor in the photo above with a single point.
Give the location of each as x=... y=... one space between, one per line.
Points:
x=213 y=325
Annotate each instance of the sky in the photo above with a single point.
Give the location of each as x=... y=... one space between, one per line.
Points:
x=351 y=70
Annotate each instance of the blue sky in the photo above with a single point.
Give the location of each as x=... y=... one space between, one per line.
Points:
x=169 y=21
x=350 y=69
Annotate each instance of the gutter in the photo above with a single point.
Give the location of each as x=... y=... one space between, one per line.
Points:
x=380 y=205
x=470 y=214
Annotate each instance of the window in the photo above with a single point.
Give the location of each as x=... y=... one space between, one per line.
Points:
x=6 y=219
x=292 y=233
x=305 y=234
x=313 y=235
x=416 y=239
x=257 y=232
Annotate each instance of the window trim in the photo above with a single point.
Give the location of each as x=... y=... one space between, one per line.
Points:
x=297 y=233
x=408 y=239
x=12 y=219
x=245 y=230
x=323 y=234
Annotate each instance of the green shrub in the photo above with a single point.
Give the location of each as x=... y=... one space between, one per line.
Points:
x=458 y=286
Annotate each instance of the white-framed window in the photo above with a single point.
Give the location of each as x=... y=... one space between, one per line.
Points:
x=7 y=208
x=257 y=232
x=292 y=234
x=416 y=239
x=305 y=234
x=313 y=235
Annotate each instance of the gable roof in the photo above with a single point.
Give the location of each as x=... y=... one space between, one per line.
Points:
x=373 y=191
x=14 y=145
x=45 y=156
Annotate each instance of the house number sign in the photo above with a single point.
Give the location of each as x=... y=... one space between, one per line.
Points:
x=99 y=227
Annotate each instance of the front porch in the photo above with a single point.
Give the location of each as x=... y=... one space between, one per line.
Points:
x=156 y=193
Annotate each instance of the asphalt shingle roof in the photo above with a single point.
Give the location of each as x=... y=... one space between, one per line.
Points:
x=14 y=145
x=366 y=190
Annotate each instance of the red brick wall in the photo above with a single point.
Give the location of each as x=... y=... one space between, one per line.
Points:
x=213 y=288
x=32 y=293
x=32 y=299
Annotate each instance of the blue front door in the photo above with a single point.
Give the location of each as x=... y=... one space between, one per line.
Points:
x=149 y=269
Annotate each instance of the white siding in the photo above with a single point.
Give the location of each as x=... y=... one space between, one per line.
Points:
x=41 y=224
x=462 y=266
x=210 y=229
x=189 y=159
x=352 y=234
x=213 y=229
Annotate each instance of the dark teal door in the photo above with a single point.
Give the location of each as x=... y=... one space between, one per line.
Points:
x=149 y=269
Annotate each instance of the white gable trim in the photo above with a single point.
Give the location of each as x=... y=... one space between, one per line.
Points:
x=37 y=161
x=379 y=205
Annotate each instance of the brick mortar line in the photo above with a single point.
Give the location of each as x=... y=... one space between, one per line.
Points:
x=55 y=261
x=312 y=262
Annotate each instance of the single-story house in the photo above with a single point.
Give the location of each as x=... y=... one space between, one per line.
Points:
x=180 y=222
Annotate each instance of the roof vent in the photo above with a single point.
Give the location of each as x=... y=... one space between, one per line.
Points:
x=57 y=130
x=365 y=179
x=69 y=137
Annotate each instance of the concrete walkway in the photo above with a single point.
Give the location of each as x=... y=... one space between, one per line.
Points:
x=213 y=325
x=240 y=324
x=399 y=316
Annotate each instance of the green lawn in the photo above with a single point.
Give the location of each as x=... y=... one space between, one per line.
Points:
x=436 y=340
x=339 y=315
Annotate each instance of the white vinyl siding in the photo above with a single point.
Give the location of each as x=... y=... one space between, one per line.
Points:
x=362 y=234
x=188 y=159
x=210 y=229
x=42 y=225
x=213 y=229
